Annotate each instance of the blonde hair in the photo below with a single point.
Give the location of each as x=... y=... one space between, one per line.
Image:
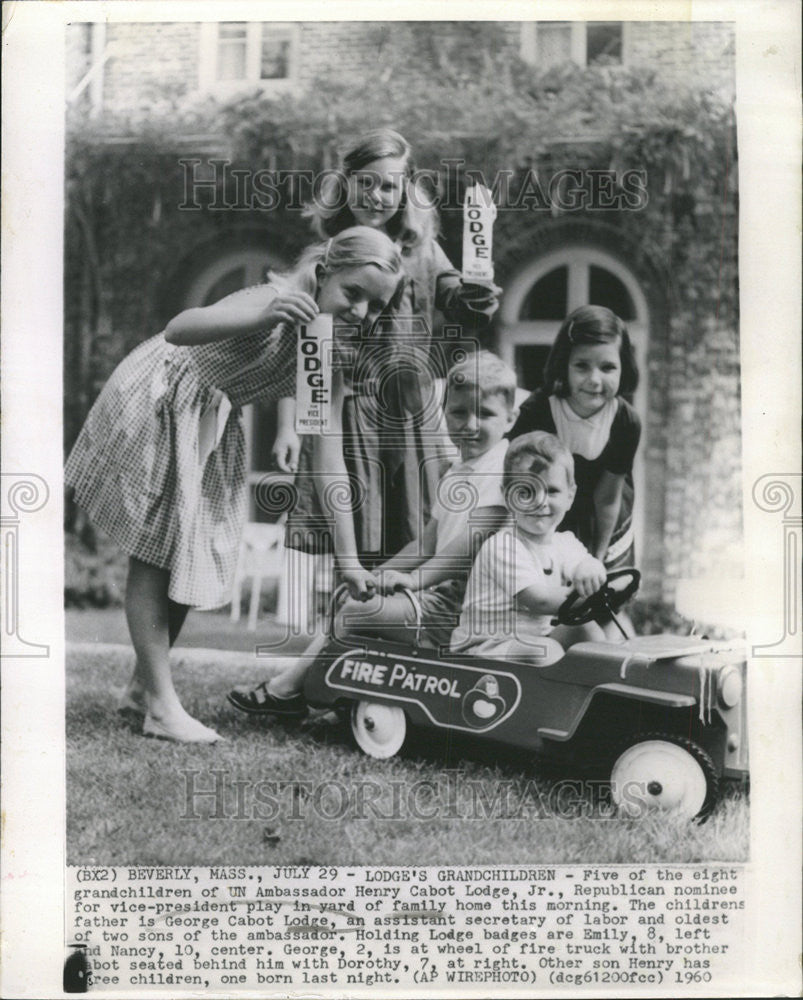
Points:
x=416 y=220
x=358 y=246
x=532 y=454
x=486 y=373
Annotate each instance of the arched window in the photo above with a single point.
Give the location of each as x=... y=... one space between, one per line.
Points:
x=538 y=298
x=234 y=270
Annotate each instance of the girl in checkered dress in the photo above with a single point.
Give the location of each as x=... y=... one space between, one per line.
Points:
x=160 y=465
x=377 y=185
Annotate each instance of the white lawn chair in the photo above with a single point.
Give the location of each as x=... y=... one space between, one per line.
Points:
x=261 y=557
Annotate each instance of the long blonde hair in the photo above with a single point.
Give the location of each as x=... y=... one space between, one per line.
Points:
x=357 y=246
x=416 y=220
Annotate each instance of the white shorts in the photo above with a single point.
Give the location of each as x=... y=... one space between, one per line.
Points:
x=540 y=649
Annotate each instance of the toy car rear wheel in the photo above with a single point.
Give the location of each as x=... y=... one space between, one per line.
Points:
x=379 y=730
x=663 y=772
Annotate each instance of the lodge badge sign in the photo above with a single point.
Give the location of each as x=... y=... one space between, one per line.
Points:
x=450 y=694
x=314 y=377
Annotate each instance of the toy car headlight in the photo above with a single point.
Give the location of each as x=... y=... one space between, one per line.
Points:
x=730 y=686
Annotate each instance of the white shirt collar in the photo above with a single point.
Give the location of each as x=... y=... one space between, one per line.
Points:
x=585 y=436
x=488 y=458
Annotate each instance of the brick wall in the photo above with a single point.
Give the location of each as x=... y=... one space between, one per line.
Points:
x=336 y=47
x=703 y=520
x=152 y=56
x=697 y=53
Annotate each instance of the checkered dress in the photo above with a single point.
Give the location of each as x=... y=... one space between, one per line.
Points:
x=160 y=462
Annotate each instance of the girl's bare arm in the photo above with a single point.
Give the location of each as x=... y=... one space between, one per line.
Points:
x=286 y=445
x=543 y=598
x=607 y=503
x=329 y=469
x=252 y=309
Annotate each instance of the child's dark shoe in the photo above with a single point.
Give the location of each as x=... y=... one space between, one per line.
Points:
x=259 y=701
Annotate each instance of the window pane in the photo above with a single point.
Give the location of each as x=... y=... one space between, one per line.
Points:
x=231 y=61
x=275 y=60
x=553 y=43
x=605 y=289
x=529 y=361
x=547 y=299
x=603 y=43
x=232 y=29
x=231 y=50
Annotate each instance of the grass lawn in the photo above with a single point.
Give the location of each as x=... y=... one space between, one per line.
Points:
x=205 y=629
x=286 y=794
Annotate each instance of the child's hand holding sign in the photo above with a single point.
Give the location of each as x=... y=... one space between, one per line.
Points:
x=478 y=288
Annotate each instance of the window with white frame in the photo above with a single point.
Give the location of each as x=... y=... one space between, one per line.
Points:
x=587 y=43
x=242 y=53
x=548 y=288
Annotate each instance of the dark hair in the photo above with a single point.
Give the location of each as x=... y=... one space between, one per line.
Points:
x=589 y=325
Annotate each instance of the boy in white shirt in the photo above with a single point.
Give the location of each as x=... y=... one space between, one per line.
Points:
x=524 y=573
x=480 y=408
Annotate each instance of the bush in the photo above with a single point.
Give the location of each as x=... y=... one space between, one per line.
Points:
x=654 y=617
x=93 y=578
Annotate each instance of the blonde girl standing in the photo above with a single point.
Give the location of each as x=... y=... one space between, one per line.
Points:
x=160 y=462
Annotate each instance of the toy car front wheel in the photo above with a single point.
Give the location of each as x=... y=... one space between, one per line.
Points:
x=661 y=772
x=378 y=729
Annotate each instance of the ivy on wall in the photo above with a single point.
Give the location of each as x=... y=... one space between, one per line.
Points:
x=466 y=100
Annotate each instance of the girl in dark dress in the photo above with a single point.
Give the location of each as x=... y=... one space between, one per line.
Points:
x=590 y=369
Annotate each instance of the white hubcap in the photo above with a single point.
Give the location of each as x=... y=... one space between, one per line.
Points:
x=378 y=729
x=658 y=775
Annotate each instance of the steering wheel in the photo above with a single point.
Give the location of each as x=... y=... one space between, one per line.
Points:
x=577 y=610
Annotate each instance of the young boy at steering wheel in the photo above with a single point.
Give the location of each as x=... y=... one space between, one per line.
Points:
x=524 y=573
